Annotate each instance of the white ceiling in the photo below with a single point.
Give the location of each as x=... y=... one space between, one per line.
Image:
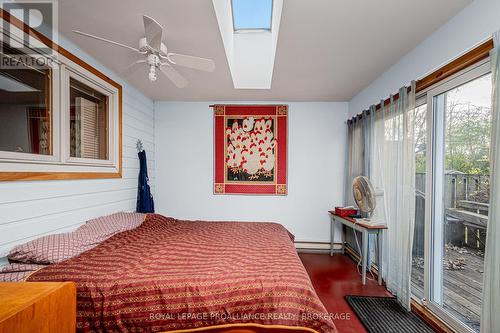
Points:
x=328 y=50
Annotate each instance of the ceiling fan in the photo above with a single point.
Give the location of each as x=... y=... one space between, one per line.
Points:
x=156 y=56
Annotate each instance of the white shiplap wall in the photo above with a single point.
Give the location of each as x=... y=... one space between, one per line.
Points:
x=34 y=208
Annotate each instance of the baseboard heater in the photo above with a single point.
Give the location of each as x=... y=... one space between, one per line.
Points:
x=303 y=246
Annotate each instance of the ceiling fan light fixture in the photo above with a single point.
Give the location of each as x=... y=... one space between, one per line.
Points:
x=152 y=73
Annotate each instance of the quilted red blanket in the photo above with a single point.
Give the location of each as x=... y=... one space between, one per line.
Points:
x=169 y=275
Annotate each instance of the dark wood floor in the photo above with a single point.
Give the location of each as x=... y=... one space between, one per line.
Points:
x=335 y=277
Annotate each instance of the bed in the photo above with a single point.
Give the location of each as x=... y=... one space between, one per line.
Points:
x=186 y=276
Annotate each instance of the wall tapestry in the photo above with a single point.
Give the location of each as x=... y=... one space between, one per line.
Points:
x=250 y=149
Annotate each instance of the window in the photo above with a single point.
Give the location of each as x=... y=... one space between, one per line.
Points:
x=58 y=122
x=25 y=115
x=462 y=120
x=252 y=14
x=418 y=261
x=449 y=275
x=88 y=122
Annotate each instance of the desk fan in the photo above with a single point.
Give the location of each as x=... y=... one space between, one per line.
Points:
x=365 y=198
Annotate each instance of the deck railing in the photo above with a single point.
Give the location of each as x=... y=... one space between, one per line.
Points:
x=466 y=210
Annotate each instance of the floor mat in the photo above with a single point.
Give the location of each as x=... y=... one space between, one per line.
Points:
x=386 y=315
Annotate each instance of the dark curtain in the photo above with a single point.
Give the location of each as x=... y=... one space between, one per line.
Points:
x=359 y=150
x=145 y=202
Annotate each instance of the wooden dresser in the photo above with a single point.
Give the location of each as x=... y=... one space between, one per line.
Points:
x=37 y=307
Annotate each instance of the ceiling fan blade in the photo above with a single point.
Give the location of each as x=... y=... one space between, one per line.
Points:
x=202 y=64
x=153 y=31
x=106 y=40
x=132 y=68
x=174 y=76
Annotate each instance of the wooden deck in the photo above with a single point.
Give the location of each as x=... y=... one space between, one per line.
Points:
x=463 y=282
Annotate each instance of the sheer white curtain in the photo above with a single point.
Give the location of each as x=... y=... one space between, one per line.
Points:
x=393 y=170
x=490 y=317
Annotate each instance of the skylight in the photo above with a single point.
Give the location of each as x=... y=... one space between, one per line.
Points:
x=252 y=14
x=250 y=56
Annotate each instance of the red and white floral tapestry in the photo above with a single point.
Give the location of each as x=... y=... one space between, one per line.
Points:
x=250 y=149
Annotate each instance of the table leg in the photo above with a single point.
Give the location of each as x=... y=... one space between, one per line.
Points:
x=364 y=256
x=342 y=237
x=332 y=234
x=379 y=257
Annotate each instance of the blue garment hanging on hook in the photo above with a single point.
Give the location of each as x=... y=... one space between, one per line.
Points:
x=145 y=202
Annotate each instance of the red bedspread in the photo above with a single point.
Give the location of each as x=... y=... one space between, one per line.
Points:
x=171 y=275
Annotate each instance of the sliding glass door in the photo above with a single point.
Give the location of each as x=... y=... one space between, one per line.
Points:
x=456 y=204
x=418 y=260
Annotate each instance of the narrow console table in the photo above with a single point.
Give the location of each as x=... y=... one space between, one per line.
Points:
x=366 y=230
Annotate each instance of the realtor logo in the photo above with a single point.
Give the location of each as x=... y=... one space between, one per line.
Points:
x=18 y=45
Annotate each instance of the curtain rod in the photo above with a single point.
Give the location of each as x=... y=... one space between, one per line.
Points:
x=478 y=53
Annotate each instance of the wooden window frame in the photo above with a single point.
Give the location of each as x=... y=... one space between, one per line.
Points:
x=64 y=167
x=472 y=57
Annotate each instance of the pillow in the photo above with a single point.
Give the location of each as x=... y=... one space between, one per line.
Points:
x=48 y=249
x=18 y=272
x=99 y=229
x=56 y=248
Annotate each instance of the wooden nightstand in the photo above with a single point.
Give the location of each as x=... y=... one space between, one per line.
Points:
x=37 y=307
